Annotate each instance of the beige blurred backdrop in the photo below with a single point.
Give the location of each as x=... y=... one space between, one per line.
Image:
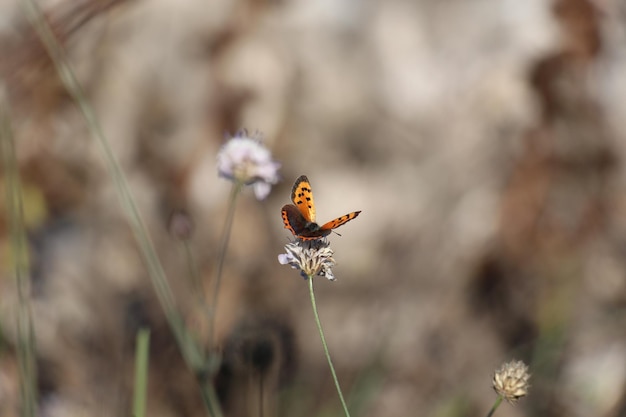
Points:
x=483 y=141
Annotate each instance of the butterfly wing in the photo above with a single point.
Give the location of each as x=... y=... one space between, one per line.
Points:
x=299 y=217
x=295 y=222
x=302 y=197
x=339 y=221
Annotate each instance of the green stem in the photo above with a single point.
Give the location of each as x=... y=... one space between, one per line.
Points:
x=495 y=406
x=194 y=274
x=191 y=352
x=330 y=362
x=25 y=332
x=222 y=256
x=128 y=204
x=209 y=396
x=142 y=354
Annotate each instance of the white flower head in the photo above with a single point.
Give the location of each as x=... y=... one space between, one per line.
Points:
x=245 y=160
x=511 y=381
x=311 y=257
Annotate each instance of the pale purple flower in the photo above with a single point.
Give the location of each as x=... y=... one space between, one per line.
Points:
x=311 y=257
x=245 y=160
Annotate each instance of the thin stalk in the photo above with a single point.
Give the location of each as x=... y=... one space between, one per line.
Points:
x=191 y=352
x=72 y=85
x=210 y=399
x=194 y=274
x=142 y=355
x=234 y=192
x=24 y=321
x=330 y=362
x=495 y=406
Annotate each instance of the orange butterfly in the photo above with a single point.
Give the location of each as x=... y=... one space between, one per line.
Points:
x=300 y=219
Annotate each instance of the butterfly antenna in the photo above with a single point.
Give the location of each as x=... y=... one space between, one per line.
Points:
x=338 y=234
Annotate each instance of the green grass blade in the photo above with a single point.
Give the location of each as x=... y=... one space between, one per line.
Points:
x=142 y=356
x=191 y=351
x=25 y=332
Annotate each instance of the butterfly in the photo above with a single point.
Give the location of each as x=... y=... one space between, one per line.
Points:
x=300 y=218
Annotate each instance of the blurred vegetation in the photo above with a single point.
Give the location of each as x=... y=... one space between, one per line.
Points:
x=482 y=141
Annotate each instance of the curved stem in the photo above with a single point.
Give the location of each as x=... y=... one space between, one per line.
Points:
x=222 y=255
x=191 y=352
x=330 y=362
x=495 y=406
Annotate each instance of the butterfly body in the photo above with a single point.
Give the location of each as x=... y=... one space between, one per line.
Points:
x=299 y=217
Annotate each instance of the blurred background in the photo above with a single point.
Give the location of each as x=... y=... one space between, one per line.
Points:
x=483 y=141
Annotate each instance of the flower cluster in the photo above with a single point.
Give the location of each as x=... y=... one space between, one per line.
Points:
x=311 y=257
x=511 y=381
x=245 y=160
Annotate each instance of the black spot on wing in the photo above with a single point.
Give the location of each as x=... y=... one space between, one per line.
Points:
x=333 y=224
x=296 y=186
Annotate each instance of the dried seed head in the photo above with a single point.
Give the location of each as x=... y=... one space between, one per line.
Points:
x=511 y=381
x=314 y=257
